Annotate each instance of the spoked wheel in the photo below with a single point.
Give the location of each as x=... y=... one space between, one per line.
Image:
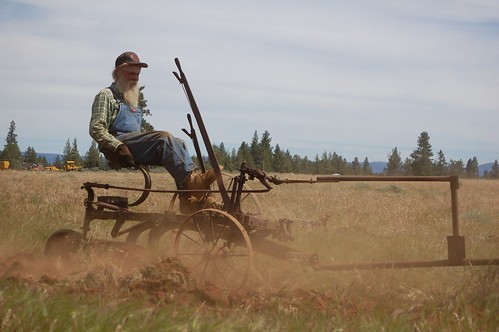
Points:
x=216 y=249
x=63 y=244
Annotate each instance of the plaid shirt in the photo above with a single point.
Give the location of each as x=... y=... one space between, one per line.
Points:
x=104 y=111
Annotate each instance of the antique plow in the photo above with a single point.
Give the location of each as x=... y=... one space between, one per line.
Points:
x=218 y=244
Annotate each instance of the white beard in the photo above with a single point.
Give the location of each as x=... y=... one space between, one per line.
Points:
x=130 y=91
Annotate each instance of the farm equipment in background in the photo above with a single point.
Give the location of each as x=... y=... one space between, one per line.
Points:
x=217 y=244
x=31 y=166
x=70 y=165
x=51 y=168
x=36 y=167
x=4 y=164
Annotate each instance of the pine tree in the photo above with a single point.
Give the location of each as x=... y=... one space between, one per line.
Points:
x=356 y=167
x=266 y=149
x=494 y=172
x=66 y=152
x=338 y=164
x=244 y=155
x=71 y=152
x=366 y=167
x=222 y=155
x=233 y=159
x=146 y=126
x=256 y=151
x=30 y=156
x=11 y=135
x=440 y=166
x=472 y=170
x=303 y=165
x=421 y=163
x=75 y=153
x=11 y=150
x=456 y=167
x=278 y=159
x=288 y=163
x=319 y=167
x=333 y=163
x=394 y=166
x=92 y=157
x=406 y=167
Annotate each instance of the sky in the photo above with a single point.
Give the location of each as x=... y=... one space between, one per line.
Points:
x=358 y=78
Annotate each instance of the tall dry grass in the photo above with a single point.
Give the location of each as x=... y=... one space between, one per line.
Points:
x=364 y=221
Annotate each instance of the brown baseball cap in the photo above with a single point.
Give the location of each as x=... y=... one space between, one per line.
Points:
x=129 y=59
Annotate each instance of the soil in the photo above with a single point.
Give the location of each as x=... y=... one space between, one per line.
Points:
x=152 y=281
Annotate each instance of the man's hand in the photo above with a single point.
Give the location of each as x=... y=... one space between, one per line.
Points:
x=124 y=155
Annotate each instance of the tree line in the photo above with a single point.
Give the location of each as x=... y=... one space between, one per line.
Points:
x=260 y=153
x=19 y=160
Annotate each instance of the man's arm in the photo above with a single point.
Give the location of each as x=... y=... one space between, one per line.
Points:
x=102 y=111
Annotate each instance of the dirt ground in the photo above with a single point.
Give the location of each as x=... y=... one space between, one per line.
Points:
x=148 y=279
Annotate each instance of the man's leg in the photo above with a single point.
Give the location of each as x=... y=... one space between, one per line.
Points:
x=163 y=149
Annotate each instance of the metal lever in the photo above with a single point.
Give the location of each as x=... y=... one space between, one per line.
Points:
x=192 y=135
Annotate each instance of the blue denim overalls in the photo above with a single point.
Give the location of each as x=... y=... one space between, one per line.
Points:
x=129 y=120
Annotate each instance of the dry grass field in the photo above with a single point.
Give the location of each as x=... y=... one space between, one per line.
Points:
x=351 y=222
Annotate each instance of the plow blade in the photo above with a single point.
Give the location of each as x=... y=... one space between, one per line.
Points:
x=276 y=250
x=407 y=264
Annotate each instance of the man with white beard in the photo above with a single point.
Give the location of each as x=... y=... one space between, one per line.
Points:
x=116 y=127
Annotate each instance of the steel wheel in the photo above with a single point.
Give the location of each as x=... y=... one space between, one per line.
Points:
x=63 y=244
x=216 y=249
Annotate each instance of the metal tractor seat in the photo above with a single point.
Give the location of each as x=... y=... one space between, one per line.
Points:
x=114 y=163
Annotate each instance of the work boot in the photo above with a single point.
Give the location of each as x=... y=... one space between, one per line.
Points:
x=192 y=202
x=200 y=181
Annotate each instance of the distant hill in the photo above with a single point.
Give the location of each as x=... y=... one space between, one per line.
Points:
x=485 y=167
x=50 y=157
x=378 y=166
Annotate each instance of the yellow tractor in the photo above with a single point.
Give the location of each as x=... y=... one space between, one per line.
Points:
x=4 y=164
x=70 y=165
